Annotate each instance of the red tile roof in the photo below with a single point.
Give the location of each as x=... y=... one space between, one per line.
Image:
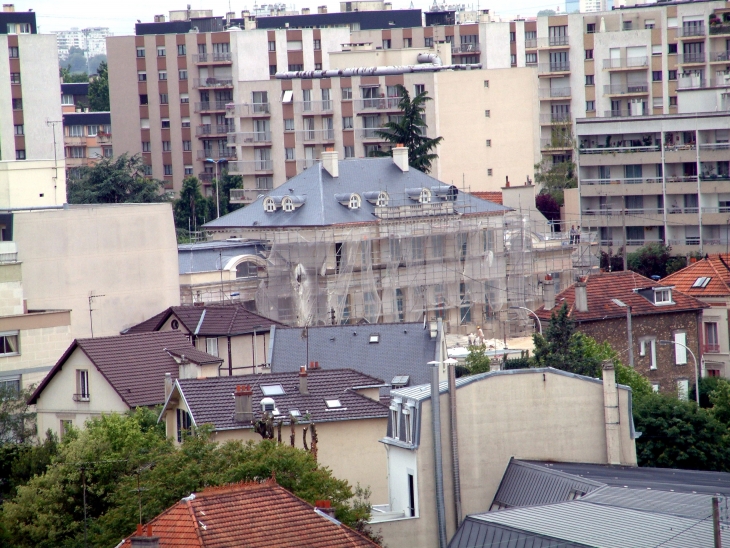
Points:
x=715 y=267
x=491 y=196
x=218 y=319
x=134 y=365
x=602 y=288
x=253 y=515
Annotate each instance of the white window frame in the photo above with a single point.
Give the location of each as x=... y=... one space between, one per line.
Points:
x=9 y=334
x=82 y=385
x=395 y=420
x=67 y=99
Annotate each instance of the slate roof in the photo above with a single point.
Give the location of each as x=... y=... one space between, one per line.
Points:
x=255 y=515
x=602 y=288
x=134 y=365
x=716 y=267
x=208 y=256
x=355 y=176
x=218 y=320
x=211 y=400
x=402 y=349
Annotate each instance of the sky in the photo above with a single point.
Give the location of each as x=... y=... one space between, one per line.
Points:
x=120 y=16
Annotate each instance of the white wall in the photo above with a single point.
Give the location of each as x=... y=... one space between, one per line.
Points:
x=31 y=183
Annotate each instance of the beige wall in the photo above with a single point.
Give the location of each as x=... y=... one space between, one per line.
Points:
x=127 y=252
x=33 y=183
x=526 y=416
x=56 y=401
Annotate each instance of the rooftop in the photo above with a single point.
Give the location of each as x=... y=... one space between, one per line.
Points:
x=75 y=88
x=368 y=20
x=87 y=118
x=491 y=196
x=215 y=255
x=708 y=277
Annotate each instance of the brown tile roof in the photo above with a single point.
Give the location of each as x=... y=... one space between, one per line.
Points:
x=716 y=267
x=254 y=515
x=218 y=319
x=602 y=288
x=211 y=400
x=134 y=365
x=491 y=196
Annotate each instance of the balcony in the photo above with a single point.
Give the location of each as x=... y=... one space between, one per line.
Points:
x=555 y=118
x=246 y=195
x=74 y=141
x=681 y=178
x=690 y=241
x=378 y=103
x=554 y=93
x=249 y=138
x=104 y=138
x=210 y=106
x=206 y=177
x=691 y=31
x=553 y=42
x=680 y=210
x=212 y=82
x=641 y=88
x=313 y=107
x=248 y=110
x=711 y=348
x=556 y=144
x=630 y=181
x=316 y=135
x=715 y=177
x=369 y=133
x=553 y=68
x=715 y=146
x=628 y=63
x=719 y=56
x=692 y=58
x=204 y=58
x=214 y=129
x=691 y=83
x=619 y=150
x=623 y=113
x=217 y=154
x=531 y=44
x=466 y=49
x=716 y=30
x=250 y=168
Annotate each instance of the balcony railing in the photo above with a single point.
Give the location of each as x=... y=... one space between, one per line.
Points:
x=312 y=107
x=552 y=41
x=250 y=168
x=714 y=177
x=249 y=137
x=691 y=240
x=547 y=68
x=217 y=154
x=635 y=212
x=212 y=57
x=692 y=83
x=206 y=177
x=464 y=49
x=626 y=89
x=74 y=141
x=681 y=178
x=378 y=103
x=619 y=150
x=719 y=56
x=629 y=181
x=315 y=135
x=369 y=133
x=104 y=138
x=561 y=144
x=246 y=195
x=621 y=113
x=626 y=63
x=715 y=209
x=679 y=210
x=545 y=93
x=723 y=28
x=210 y=105
x=214 y=129
x=692 y=30
x=691 y=58
x=556 y=118
x=82 y=397
x=715 y=146
x=531 y=44
x=212 y=82
x=248 y=109
x=711 y=348
x=680 y=146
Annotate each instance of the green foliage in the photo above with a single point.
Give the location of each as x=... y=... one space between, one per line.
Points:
x=640 y=385
x=72 y=77
x=650 y=260
x=115 y=452
x=720 y=399
x=477 y=360
x=191 y=208
x=99 y=89
x=227 y=182
x=114 y=181
x=409 y=131
x=555 y=178
x=17 y=420
x=707 y=386
x=19 y=462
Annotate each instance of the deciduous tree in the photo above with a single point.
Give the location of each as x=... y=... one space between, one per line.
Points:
x=99 y=89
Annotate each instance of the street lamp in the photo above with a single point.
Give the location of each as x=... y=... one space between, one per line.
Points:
x=539 y=323
x=217 y=195
x=697 y=373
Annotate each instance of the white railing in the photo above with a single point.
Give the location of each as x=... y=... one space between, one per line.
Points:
x=378 y=103
x=312 y=107
x=309 y=135
x=250 y=168
x=249 y=137
x=626 y=63
x=210 y=105
x=625 y=181
x=619 y=150
x=248 y=109
x=625 y=89
x=212 y=82
x=558 y=66
x=545 y=93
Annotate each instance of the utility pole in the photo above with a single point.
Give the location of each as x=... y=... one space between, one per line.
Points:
x=631 y=335
x=716 y=521
x=53 y=123
x=623 y=223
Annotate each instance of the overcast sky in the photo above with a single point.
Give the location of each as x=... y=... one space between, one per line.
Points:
x=121 y=15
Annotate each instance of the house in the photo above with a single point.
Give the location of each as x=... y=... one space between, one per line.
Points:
x=342 y=403
x=604 y=306
x=255 y=515
x=240 y=337
x=540 y=414
x=708 y=280
x=114 y=374
x=576 y=505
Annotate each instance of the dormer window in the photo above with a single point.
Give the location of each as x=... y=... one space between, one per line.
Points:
x=272 y=390
x=663 y=296
x=395 y=420
x=382 y=200
x=269 y=205
x=425 y=196
x=287 y=204
x=333 y=404
x=355 y=202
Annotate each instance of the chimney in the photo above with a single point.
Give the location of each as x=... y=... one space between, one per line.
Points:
x=140 y=540
x=244 y=411
x=322 y=9
x=305 y=11
x=303 y=389
x=400 y=157
x=329 y=162
x=325 y=507
x=159 y=18
x=581 y=296
x=8 y=7
x=168 y=385
x=506 y=181
x=548 y=293
x=611 y=414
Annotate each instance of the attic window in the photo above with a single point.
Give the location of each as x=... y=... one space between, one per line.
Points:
x=701 y=282
x=295 y=413
x=355 y=202
x=425 y=196
x=382 y=200
x=272 y=390
x=399 y=381
x=287 y=204
x=269 y=205
x=333 y=404
x=663 y=296
x=375 y=338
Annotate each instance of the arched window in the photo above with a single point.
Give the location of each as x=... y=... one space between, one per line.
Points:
x=355 y=201
x=287 y=204
x=269 y=205
x=247 y=269
x=425 y=196
x=382 y=200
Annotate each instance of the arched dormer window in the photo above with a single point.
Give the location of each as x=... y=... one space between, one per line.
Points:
x=269 y=205
x=425 y=196
x=355 y=201
x=287 y=204
x=247 y=269
x=383 y=199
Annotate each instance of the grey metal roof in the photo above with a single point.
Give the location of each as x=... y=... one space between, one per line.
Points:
x=208 y=256
x=355 y=176
x=475 y=533
x=402 y=349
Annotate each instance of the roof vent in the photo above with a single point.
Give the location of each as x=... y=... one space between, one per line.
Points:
x=268 y=405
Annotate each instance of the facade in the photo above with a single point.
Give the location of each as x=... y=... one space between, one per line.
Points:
x=342 y=404
x=660 y=315
x=541 y=424
x=87 y=137
x=91 y=40
x=113 y=374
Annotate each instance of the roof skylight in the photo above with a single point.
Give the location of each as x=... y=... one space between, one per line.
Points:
x=333 y=404
x=701 y=282
x=272 y=390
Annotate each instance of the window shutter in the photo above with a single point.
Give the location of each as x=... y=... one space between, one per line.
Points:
x=680 y=352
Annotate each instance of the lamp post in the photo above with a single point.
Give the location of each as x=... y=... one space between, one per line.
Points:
x=217 y=195
x=697 y=373
x=539 y=323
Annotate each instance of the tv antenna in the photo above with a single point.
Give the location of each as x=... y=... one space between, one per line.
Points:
x=91 y=316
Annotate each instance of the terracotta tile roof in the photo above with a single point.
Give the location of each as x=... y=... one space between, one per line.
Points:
x=218 y=319
x=602 y=288
x=254 y=515
x=491 y=196
x=715 y=267
x=134 y=365
x=211 y=400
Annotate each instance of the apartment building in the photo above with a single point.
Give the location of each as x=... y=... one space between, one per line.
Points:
x=87 y=137
x=91 y=40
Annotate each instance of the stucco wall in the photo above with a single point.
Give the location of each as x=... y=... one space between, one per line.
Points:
x=33 y=183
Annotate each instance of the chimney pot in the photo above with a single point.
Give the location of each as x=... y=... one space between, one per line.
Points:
x=400 y=157
x=581 y=296
x=548 y=293
x=243 y=406
x=506 y=178
x=330 y=163
x=303 y=388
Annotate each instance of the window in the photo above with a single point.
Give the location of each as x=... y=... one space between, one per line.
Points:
x=17 y=104
x=272 y=45
x=395 y=420
x=9 y=342
x=655 y=387
x=486 y=83
x=680 y=350
x=672 y=48
x=512 y=36
x=188 y=170
x=141 y=76
x=487 y=113
x=164 y=98
x=166 y=146
x=264 y=183
x=184 y=98
x=187 y=146
x=333 y=404
x=182 y=74
x=628 y=25
x=296 y=68
x=411 y=496
x=657 y=102
x=428 y=42
x=346 y=94
x=649 y=24
x=349 y=152
x=162 y=75
x=386 y=43
x=272 y=70
x=13 y=52
x=108 y=152
x=656 y=75
x=317 y=44
x=530 y=58
x=288 y=124
x=146 y=146
x=20 y=154
x=513 y=59
x=211 y=346
x=160 y=51
x=647 y=347
x=143 y=99
x=683 y=389
x=672 y=75
x=589 y=54
x=701 y=282
x=9 y=386
x=148 y=170
x=712 y=342
x=76 y=152
x=590 y=106
x=167 y=169
x=19 y=129
x=489 y=142
x=590 y=28
x=202 y=49
x=184 y=424
x=590 y=80
x=347 y=122
x=140 y=51
x=14 y=77
x=289 y=154
x=489 y=172
x=182 y=49
x=673 y=101
x=317 y=66
x=82 y=385
x=165 y=123
x=407 y=42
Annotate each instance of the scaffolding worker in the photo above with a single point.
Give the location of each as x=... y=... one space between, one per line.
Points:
x=480 y=335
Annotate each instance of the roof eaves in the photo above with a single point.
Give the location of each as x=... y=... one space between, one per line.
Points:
x=58 y=366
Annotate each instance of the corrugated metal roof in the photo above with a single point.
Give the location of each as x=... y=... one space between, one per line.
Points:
x=474 y=533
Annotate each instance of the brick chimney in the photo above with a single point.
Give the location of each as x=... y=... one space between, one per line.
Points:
x=548 y=293
x=400 y=157
x=330 y=163
x=244 y=411
x=303 y=389
x=611 y=414
x=313 y=365
x=142 y=540
x=581 y=296
x=325 y=507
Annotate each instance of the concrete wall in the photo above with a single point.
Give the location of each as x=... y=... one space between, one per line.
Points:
x=126 y=252
x=33 y=183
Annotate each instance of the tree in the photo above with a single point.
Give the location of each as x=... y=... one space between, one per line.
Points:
x=409 y=131
x=99 y=89
x=227 y=182
x=17 y=420
x=191 y=208
x=114 y=181
x=477 y=360
x=72 y=77
x=611 y=262
x=555 y=178
x=650 y=260
x=548 y=206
